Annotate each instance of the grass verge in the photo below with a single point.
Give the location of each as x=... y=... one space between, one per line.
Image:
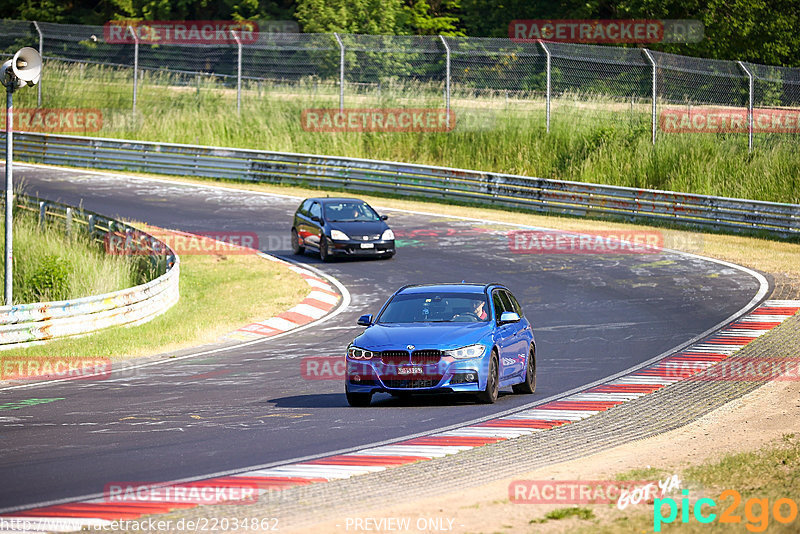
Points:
x=218 y=294
x=756 y=482
x=592 y=139
x=563 y=513
x=50 y=265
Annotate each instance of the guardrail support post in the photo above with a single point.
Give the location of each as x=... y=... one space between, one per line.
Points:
x=341 y=71
x=447 y=79
x=238 y=72
x=547 y=97
x=749 y=106
x=90 y=226
x=649 y=57
x=135 y=67
x=41 y=53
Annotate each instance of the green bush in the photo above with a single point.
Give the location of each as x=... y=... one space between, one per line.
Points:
x=50 y=265
x=49 y=280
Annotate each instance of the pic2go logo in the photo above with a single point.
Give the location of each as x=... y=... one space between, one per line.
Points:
x=756 y=511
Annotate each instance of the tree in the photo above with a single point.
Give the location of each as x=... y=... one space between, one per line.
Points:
x=438 y=18
x=351 y=16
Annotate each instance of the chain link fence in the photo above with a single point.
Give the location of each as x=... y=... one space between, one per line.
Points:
x=544 y=83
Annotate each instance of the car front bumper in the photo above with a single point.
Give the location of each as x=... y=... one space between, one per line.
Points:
x=361 y=248
x=447 y=376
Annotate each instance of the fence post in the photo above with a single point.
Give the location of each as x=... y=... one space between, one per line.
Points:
x=68 y=222
x=341 y=71
x=135 y=67
x=447 y=79
x=749 y=107
x=238 y=73
x=547 y=97
x=41 y=53
x=42 y=213
x=649 y=57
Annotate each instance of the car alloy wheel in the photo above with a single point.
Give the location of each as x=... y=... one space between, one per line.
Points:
x=529 y=385
x=492 y=390
x=297 y=248
x=323 y=249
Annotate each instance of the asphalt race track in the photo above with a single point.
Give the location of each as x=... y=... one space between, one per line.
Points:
x=593 y=315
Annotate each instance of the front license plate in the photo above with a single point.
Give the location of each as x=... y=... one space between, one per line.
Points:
x=367 y=245
x=409 y=370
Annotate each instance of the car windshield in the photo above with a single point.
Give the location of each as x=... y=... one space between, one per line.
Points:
x=349 y=211
x=436 y=308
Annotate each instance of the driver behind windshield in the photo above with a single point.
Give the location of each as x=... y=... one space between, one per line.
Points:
x=479 y=311
x=475 y=312
x=348 y=212
x=435 y=308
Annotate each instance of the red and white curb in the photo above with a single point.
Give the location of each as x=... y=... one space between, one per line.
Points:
x=574 y=407
x=319 y=302
x=322 y=299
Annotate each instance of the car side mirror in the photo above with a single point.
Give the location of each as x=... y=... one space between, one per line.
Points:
x=365 y=320
x=315 y=219
x=384 y=217
x=509 y=317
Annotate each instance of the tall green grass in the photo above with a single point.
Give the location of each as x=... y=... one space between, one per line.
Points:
x=592 y=139
x=49 y=265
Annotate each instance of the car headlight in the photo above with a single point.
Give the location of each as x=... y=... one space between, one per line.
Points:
x=339 y=235
x=388 y=235
x=470 y=351
x=356 y=353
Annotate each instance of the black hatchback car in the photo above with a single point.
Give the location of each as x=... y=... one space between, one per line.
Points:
x=341 y=227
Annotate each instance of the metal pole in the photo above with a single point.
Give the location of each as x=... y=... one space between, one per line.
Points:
x=135 y=67
x=9 y=247
x=655 y=88
x=749 y=107
x=238 y=73
x=447 y=80
x=341 y=71
x=547 y=98
x=41 y=53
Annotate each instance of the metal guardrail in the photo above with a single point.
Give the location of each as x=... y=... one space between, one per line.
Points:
x=25 y=324
x=515 y=191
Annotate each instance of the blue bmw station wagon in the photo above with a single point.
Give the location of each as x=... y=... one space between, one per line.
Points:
x=443 y=338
